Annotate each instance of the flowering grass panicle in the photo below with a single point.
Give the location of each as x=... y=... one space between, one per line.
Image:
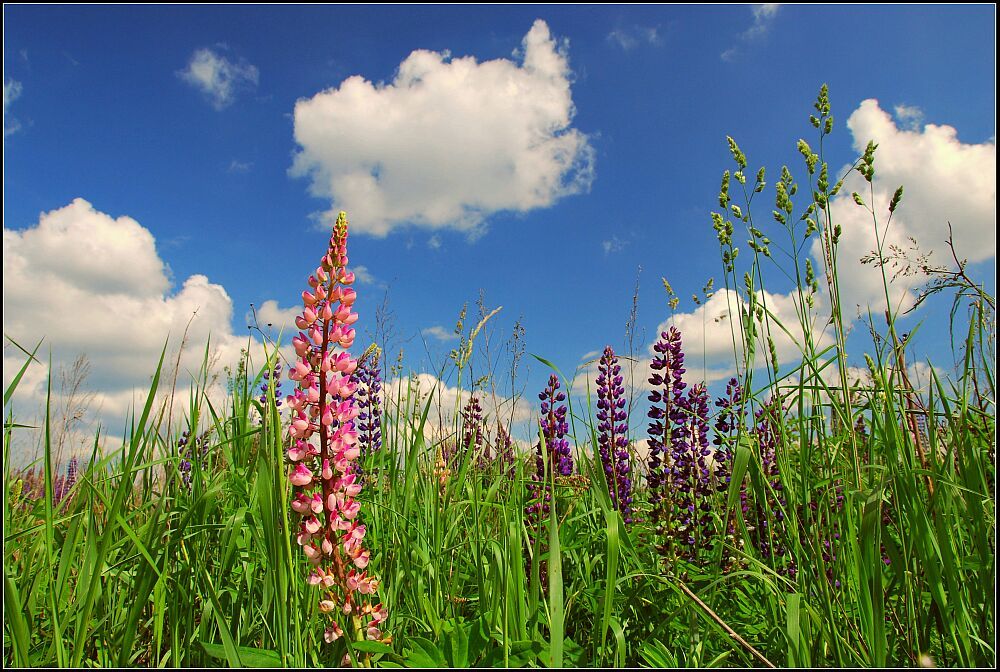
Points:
x=325 y=447
x=612 y=432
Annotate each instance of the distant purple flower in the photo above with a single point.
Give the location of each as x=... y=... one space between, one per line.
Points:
x=369 y=398
x=275 y=378
x=71 y=472
x=190 y=450
x=727 y=424
x=472 y=433
x=683 y=476
x=612 y=433
x=63 y=485
x=667 y=382
x=554 y=429
x=504 y=448
x=693 y=472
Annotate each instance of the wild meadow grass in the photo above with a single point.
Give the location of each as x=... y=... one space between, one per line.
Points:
x=810 y=517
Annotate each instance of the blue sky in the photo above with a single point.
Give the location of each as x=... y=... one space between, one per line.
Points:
x=621 y=168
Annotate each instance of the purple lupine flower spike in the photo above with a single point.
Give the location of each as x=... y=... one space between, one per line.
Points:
x=505 y=452
x=554 y=429
x=667 y=382
x=682 y=468
x=369 y=398
x=613 y=433
x=472 y=433
x=271 y=377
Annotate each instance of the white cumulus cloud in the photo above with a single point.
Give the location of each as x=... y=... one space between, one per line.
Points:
x=219 y=78
x=448 y=141
x=440 y=333
x=92 y=284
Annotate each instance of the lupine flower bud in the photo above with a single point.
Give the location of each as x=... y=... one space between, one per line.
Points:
x=612 y=433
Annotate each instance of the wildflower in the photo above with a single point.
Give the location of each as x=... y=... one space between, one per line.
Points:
x=62 y=485
x=273 y=376
x=369 y=381
x=554 y=427
x=190 y=451
x=504 y=449
x=472 y=433
x=682 y=469
x=667 y=382
x=613 y=433
x=326 y=443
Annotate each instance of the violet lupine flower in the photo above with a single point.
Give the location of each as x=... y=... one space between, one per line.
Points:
x=269 y=377
x=368 y=376
x=668 y=384
x=612 y=433
x=693 y=474
x=682 y=474
x=325 y=449
x=504 y=448
x=665 y=414
x=192 y=450
x=62 y=485
x=472 y=433
x=554 y=429
x=727 y=423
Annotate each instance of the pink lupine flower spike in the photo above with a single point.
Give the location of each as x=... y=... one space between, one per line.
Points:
x=324 y=449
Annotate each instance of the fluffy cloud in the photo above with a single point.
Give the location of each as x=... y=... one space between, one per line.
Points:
x=944 y=180
x=219 y=78
x=363 y=275
x=11 y=92
x=440 y=333
x=269 y=314
x=92 y=284
x=448 y=142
